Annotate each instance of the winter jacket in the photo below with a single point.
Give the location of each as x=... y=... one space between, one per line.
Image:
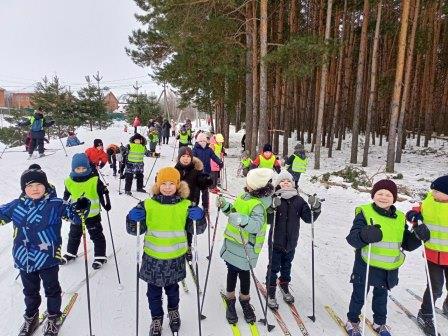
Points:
x=213 y=165
x=73 y=141
x=195 y=178
x=377 y=277
x=100 y=189
x=166 y=129
x=287 y=220
x=161 y=272
x=205 y=155
x=37 y=230
x=277 y=166
x=97 y=157
x=37 y=123
x=232 y=252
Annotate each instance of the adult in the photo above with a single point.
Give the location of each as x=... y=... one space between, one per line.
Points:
x=165 y=131
x=137 y=123
x=158 y=127
x=37 y=132
x=151 y=123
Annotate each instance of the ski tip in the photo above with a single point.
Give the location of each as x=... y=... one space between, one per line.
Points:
x=312 y=318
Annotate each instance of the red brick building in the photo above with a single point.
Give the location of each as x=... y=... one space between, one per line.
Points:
x=21 y=99
x=111 y=102
x=2 y=98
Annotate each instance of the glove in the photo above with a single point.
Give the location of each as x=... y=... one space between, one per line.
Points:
x=106 y=191
x=371 y=234
x=207 y=181
x=131 y=226
x=278 y=169
x=122 y=177
x=276 y=201
x=137 y=214
x=221 y=202
x=414 y=216
x=111 y=166
x=102 y=165
x=237 y=219
x=107 y=206
x=82 y=204
x=422 y=232
x=314 y=203
x=195 y=213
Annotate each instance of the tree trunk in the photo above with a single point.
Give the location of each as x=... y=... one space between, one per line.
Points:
x=395 y=104
x=249 y=75
x=263 y=125
x=255 y=86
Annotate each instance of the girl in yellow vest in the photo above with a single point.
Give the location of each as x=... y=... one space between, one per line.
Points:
x=297 y=163
x=246 y=216
x=246 y=162
x=433 y=211
x=134 y=154
x=83 y=182
x=217 y=146
x=384 y=227
x=165 y=219
x=267 y=159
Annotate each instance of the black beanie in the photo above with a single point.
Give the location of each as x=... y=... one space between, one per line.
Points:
x=35 y=166
x=387 y=185
x=33 y=176
x=97 y=142
x=440 y=184
x=267 y=148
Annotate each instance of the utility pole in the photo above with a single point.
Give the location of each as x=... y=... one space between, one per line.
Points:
x=137 y=88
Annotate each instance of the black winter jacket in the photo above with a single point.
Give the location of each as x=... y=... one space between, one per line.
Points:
x=377 y=277
x=196 y=179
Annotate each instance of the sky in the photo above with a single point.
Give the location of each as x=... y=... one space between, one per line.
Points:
x=70 y=39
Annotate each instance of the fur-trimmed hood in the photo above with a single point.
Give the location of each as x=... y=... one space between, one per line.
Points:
x=198 y=165
x=182 y=191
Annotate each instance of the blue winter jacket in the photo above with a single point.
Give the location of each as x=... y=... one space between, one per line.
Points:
x=205 y=154
x=37 y=230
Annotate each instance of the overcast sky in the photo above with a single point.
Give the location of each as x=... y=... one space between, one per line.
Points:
x=71 y=39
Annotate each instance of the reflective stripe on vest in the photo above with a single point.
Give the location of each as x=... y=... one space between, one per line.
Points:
x=85 y=189
x=217 y=148
x=266 y=163
x=385 y=254
x=299 y=165
x=165 y=237
x=183 y=138
x=246 y=163
x=136 y=152
x=232 y=233
x=435 y=216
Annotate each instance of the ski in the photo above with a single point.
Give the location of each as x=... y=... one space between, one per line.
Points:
x=184 y=286
x=253 y=329
x=418 y=297
x=234 y=326
x=407 y=312
x=193 y=275
x=276 y=313
x=337 y=319
x=298 y=319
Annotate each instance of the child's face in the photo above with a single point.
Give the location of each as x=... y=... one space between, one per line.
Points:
x=168 y=188
x=137 y=141
x=185 y=159
x=267 y=154
x=80 y=170
x=383 y=198
x=440 y=196
x=35 y=190
x=285 y=184
x=203 y=143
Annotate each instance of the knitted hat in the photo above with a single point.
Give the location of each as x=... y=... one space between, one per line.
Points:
x=283 y=175
x=259 y=178
x=97 y=142
x=219 y=138
x=440 y=184
x=168 y=174
x=33 y=176
x=267 y=148
x=185 y=150
x=35 y=166
x=387 y=185
x=80 y=160
x=299 y=147
x=201 y=137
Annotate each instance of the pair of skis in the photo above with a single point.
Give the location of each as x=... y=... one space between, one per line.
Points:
x=341 y=323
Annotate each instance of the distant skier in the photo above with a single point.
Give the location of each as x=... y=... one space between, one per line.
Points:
x=113 y=155
x=136 y=124
x=72 y=140
x=183 y=137
x=97 y=156
x=217 y=146
x=297 y=163
x=165 y=131
x=153 y=137
x=246 y=163
x=267 y=159
x=134 y=165
x=38 y=123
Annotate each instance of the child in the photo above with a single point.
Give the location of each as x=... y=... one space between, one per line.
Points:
x=247 y=217
x=216 y=144
x=165 y=218
x=267 y=159
x=183 y=137
x=37 y=218
x=97 y=156
x=190 y=169
x=72 y=140
x=203 y=152
x=246 y=162
x=153 y=137
x=289 y=207
x=83 y=182
x=384 y=227
x=298 y=163
x=112 y=152
x=134 y=154
x=434 y=212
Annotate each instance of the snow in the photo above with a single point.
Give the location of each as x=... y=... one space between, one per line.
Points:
x=113 y=309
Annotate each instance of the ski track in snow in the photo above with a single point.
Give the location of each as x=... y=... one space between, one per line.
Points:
x=113 y=309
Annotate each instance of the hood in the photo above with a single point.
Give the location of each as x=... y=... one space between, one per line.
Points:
x=183 y=190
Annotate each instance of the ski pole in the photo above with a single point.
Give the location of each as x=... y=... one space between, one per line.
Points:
x=153 y=165
x=63 y=147
x=83 y=225
x=195 y=259
x=209 y=257
x=313 y=317
x=265 y=320
x=366 y=285
x=113 y=245
x=102 y=176
x=138 y=280
x=431 y=292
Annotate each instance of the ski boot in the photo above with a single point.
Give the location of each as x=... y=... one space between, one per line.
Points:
x=156 y=326
x=173 y=315
x=287 y=296
x=445 y=307
x=426 y=322
x=272 y=301
x=98 y=262
x=382 y=330
x=231 y=315
x=141 y=190
x=67 y=257
x=52 y=326
x=29 y=325
x=127 y=192
x=352 y=328
x=248 y=311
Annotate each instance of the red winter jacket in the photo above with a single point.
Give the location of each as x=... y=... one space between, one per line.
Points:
x=96 y=156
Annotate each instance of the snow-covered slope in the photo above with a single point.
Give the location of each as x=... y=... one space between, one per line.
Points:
x=113 y=309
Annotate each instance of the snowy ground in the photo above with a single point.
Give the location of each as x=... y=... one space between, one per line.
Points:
x=114 y=308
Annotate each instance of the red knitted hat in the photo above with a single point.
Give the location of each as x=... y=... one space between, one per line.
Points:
x=387 y=185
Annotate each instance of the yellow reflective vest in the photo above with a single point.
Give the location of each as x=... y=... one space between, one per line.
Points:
x=266 y=163
x=136 y=153
x=435 y=216
x=183 y=138
x=85 y=189
x=217 y=148
x=299 y=165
